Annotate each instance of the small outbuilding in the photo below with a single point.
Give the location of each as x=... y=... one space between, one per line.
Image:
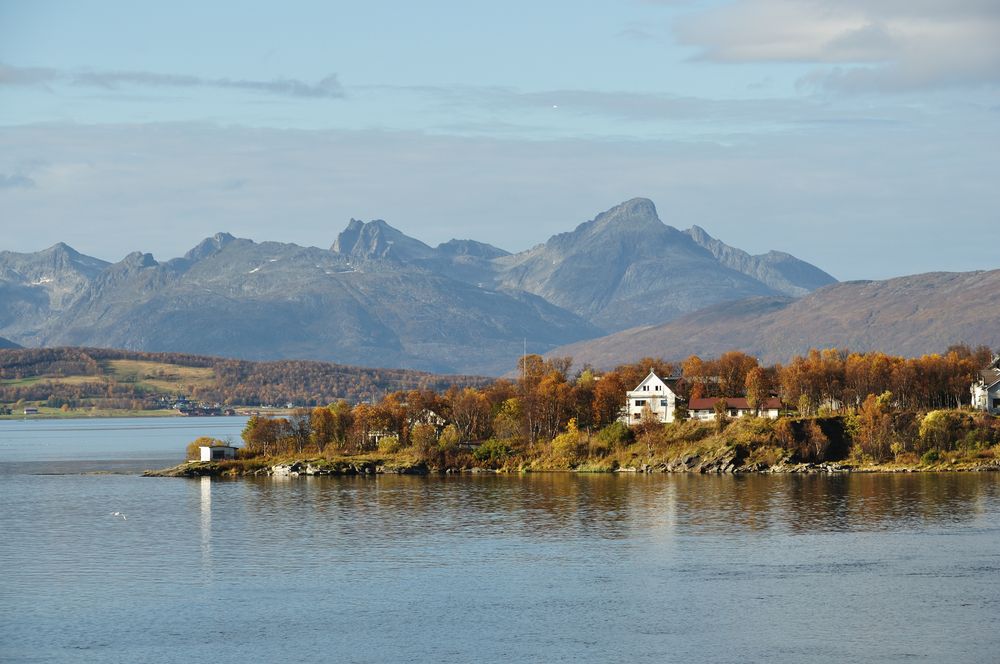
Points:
x=217 y=452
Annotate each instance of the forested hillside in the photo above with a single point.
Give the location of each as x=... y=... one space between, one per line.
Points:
x=130 y=379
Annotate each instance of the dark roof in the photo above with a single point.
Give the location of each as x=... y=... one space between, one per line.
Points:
x=739 y=403
x=989 y=376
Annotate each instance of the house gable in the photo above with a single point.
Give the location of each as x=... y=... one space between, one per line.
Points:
x=652 y=393
x=650 y=384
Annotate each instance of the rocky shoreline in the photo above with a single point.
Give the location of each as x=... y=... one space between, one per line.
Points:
x=729 y=463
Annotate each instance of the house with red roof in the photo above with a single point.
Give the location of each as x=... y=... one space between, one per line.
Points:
x=704 y=409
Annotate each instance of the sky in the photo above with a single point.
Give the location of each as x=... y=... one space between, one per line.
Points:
x=860 y=135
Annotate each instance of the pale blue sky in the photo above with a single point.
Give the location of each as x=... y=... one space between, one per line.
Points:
x=859 y=135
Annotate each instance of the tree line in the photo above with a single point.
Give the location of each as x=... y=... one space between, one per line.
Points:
x=550 y=404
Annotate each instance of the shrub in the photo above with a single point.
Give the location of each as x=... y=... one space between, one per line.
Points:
x=930 y=456
x=570 y=447
x=449 y=439
x=943 y=429
x=751 y=431
x=493 y=452
x=616 y=435
x=389 y=444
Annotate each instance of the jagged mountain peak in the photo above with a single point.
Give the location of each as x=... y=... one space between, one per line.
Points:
x=470 y=248
x=209 y=246
x=138 y=259
x=636 y=214
x=61 y=254
x=698 y=234
x=634 y=207
x=376 y=239
x=61 y=248
x=630 y=224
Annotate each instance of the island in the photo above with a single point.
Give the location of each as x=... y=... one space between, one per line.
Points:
x=852 y=412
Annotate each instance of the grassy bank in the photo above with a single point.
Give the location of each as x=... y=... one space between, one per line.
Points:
x=746 y=446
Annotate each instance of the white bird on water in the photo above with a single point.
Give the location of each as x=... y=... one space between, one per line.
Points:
x=121 y=514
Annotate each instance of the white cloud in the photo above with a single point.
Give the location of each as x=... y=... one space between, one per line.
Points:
x=876 y=45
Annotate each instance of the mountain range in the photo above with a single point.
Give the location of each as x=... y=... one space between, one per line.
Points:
x=378 y=297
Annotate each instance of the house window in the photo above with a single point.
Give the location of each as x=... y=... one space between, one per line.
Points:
x=640 y=402
x=663 y=402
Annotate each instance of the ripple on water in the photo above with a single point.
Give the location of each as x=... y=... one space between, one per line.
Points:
x=520 y=568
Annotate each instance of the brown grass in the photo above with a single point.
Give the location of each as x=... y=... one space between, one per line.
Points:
x=161 y=376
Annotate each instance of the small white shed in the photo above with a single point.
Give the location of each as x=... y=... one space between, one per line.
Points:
x=217 y=452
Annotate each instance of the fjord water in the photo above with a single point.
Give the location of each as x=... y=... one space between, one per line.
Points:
x=532 y=568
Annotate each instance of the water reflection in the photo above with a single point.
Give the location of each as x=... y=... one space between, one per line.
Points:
x=560 y=567
x=205 y=503
x=612 y=507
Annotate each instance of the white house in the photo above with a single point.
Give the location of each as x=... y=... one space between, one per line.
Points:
x=986 y=388
x=654 y=393
x=217 y=452
x=704 y=409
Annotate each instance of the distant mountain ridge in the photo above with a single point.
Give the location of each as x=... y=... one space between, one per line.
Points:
x=36 y=288
x=378 y=297
x=783 y=272
x=626 y=268
x=912 y=316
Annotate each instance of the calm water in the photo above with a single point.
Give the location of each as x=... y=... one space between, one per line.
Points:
x=482 y=568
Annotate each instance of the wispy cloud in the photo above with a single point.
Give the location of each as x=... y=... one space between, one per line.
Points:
x=642 y=109
x=327 y=87
x=16 y=181
x=864 y=46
